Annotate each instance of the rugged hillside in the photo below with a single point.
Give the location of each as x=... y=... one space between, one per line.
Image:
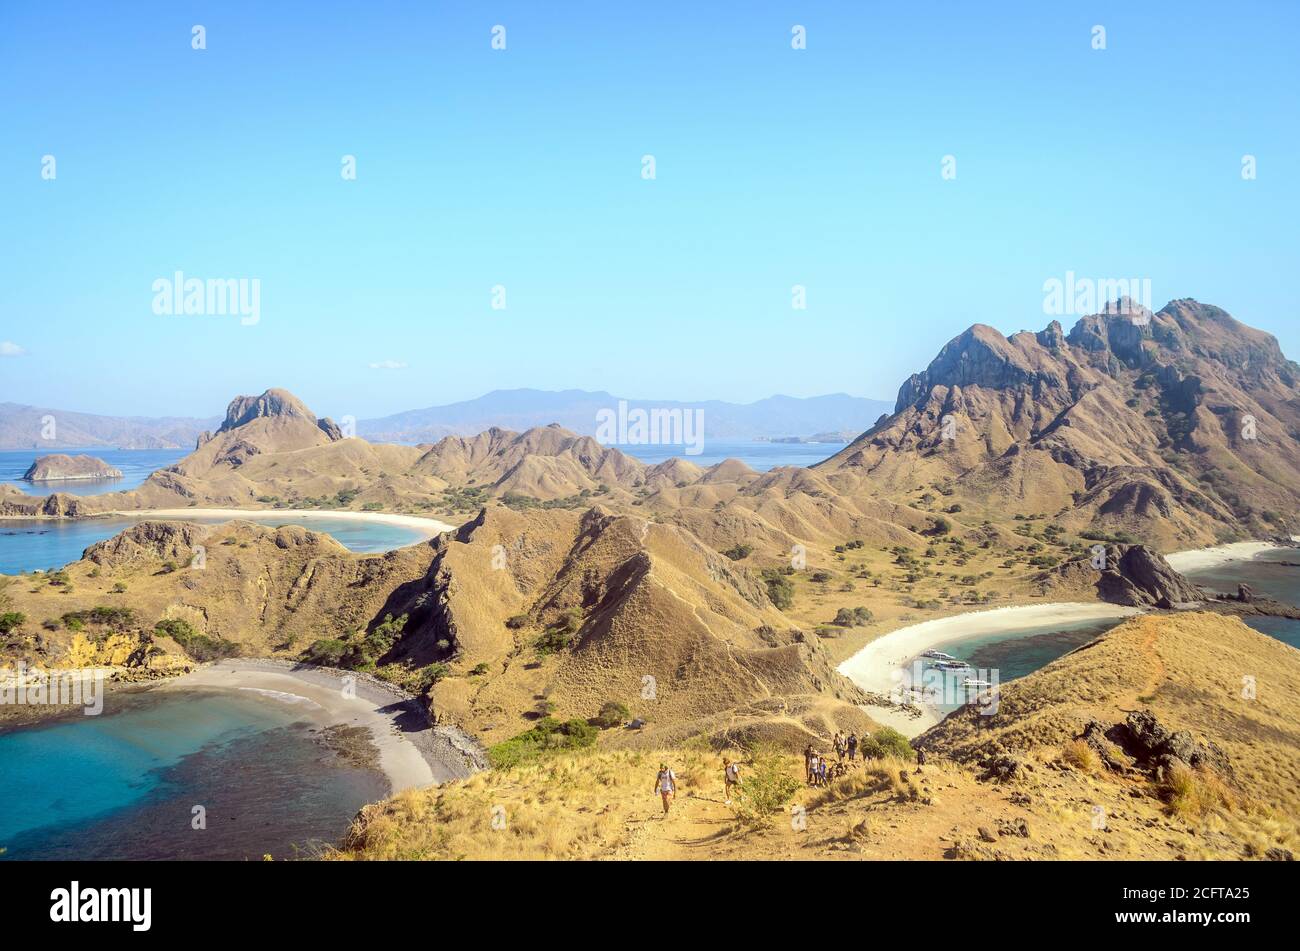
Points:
x=252 y=590
x=577 y=610
x=1041 y=781
x=548 y=462
x=271 y=449
x=1182 y=426
x=1153 y=696
x=514 y=610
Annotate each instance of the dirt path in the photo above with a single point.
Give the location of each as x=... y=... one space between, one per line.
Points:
x=691 y=825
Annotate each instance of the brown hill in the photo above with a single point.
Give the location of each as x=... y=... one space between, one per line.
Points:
x=1182 y=430
x=272 y=449
x=547 y=462
x=1024 y=785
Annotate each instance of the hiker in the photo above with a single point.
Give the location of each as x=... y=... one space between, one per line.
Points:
x=809 y=763
x=920 y=759
x=853 y=746
x=821 y=771
x=730 y=777
x=666 y=785
x=838 y=743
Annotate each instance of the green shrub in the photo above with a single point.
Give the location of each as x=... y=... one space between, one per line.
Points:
x=739 y=552
x=767 y=787
x=780 y=589
x=101 y=616
x=326 y=652
x=612 y=713
x=11 y=621
x=198 y=646
x=547 y=736
x=887 y=742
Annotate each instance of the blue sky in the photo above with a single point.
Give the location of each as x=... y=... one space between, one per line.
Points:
x=522 y=168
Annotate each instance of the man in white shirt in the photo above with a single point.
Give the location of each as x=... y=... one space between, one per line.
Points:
x=666 y=785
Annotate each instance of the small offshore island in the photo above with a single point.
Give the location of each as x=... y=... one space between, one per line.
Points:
x=61 y=468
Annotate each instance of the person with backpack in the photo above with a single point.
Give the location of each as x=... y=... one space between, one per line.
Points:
x=666 y=785
x=853 y=746
x=730 y=777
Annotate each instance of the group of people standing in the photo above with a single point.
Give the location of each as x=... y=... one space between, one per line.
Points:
x=819 y=771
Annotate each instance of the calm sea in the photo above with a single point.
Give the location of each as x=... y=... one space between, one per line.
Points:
x=126 y=784
x=135 y=465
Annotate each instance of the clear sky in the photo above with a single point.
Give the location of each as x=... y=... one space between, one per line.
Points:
x=522 y=167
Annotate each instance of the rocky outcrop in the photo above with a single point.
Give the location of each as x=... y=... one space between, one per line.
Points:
x=61 y=468
x=173 y=541
x=58 y=505
x=273 y=404
x=1139 y=577
x=1160 y=748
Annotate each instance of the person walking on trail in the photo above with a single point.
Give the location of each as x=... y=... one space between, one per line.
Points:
x=853 y=746
x=730 y=777
x=809 y=762
x=666 y=785
x=839 y=745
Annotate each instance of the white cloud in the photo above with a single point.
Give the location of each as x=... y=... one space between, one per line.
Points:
x=10 y=349
x=388 y=365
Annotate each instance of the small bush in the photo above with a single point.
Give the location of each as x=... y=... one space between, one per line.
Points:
x=768 y=786
x=780 y=589
x=1193 y=793
x=548 y=736
x=326 y=652
x=198 y=646
x=612 y=713
x=887 y=742
x=1081 y=756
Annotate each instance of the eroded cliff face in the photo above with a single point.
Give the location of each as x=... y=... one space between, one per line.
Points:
x=1180 y=426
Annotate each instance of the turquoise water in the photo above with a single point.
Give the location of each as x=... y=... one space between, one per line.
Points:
x=125 y=784
x=1014 y=654
x=1266 y=576
x=135 y=465
x=41 y=545
x=1017 y=653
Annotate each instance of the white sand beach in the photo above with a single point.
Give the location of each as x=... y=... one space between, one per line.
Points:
x=874 y=667
x=1194 y=559
x=428 y=527
x=411 y=753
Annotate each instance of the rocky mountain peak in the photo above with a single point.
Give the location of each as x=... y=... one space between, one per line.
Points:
x=273 y=404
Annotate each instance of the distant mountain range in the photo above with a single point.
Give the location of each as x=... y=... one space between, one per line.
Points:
x=27 y=427
x=576 y=410
x=35 y=427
